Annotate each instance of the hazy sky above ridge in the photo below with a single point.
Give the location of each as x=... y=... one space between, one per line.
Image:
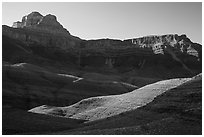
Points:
x=116 y=20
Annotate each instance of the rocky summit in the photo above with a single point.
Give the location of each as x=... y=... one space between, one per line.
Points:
x=38 y=22
x=44 y=30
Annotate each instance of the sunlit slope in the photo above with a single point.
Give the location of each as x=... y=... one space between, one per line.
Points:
x=105 y=106
x=175 y=112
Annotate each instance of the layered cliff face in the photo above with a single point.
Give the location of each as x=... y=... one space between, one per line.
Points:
x=167 y=50
x=46 y=34
x=144 y=46
x=159 y=43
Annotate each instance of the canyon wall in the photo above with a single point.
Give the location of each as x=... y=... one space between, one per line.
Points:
x=169 y=50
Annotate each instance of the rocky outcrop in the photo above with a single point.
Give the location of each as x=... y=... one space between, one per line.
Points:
x=160 y=43
x=43 y=30
x=31 y=19
x=36 y=21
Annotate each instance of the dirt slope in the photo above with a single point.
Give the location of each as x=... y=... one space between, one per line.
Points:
x=175 y=112
x=106 y=106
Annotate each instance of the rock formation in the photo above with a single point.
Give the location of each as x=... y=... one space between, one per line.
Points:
x=38 y=22
x=43 y=30
x=167 y=50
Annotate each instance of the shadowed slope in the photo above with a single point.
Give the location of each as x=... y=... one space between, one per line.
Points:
x=17 y=121
x=26 y=86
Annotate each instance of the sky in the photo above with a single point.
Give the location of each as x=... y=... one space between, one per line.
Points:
x=115 y=20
